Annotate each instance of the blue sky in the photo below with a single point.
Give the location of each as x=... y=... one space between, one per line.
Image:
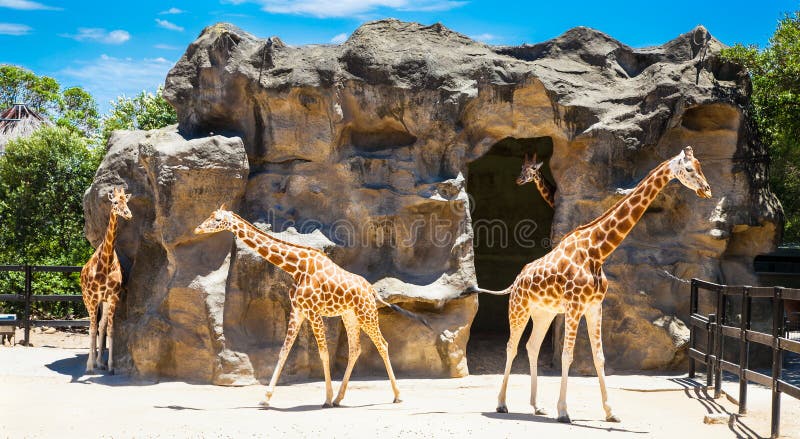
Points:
x=113 y=48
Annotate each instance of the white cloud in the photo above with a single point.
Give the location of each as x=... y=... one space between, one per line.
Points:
x=26 y=5
x=484 y=37
x=108 y=77
x=100 y=35
x=169 y=25
x=14 y=29
x=339 y=39
x=172 y=11
x=166 y=47
x=347 y=8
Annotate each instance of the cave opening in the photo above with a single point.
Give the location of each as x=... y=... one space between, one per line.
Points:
x=511 y=227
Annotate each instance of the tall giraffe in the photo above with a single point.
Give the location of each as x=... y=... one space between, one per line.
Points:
x=101 y=283
x=570 y=280
x=321 y=289
x=531 y=172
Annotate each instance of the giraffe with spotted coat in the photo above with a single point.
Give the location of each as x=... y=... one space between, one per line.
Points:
x=321 y=289
x=570 y=280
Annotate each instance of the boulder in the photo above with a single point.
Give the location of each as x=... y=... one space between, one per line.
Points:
x=365 y=149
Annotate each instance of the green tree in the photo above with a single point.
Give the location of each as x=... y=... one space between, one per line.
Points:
x=145 y=111
x=775 y=74
x=78 y=110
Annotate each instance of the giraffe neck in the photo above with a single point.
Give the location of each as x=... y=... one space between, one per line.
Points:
x=610 y=229
x=107 y=251
x=547 y=191
x=284 y=255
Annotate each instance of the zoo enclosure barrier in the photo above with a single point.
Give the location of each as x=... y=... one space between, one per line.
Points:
x=716 y=327
x=29 y=297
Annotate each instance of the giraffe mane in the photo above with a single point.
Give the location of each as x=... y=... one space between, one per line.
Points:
x=620 y=201
x=275 y=238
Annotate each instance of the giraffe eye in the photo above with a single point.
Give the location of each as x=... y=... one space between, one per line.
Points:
x=689 y=169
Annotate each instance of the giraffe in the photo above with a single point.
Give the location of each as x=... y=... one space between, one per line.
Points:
x=531 y=171
x=570 y=280
x=321 y=289
x=101 y=283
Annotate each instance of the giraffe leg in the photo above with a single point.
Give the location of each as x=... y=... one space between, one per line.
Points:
x=374 y=332
x=92 y=337
x=571 y=319
x=102 y=308
x=517 y=319
x=295 y=321
x=352 y=328
x=108 y=311
x=318 y=326
x=594 y=319
x=541 y=323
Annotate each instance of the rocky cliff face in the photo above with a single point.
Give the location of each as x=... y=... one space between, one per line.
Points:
x=364 y=149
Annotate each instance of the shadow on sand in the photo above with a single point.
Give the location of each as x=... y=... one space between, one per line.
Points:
x=699 y=392
x=75 y=368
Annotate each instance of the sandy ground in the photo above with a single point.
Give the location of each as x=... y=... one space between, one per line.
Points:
x=43 y=393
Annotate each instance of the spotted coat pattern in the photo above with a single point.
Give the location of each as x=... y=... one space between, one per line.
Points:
x=570 y=279
x=532 y=172
x=101 y=283
x=321 y=289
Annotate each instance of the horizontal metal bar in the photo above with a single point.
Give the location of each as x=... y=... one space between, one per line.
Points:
x=57 y=298
x=56 y=268
x=698 y=320
x=759 y=337
x=707 y=285
x=789 y=345
x=12 y=298
x=60 y=323
x=733 y=291
x=790 y=294
x=758 y=378
x=789 y=389
x=727 y=366
x=762 y=292
x=12 y=268
x=698 y=355
x=730 y=331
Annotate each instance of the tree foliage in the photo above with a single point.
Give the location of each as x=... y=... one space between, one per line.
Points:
x=145 y=111
x=775 y=74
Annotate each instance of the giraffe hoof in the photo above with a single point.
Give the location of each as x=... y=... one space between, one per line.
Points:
x=100 y=367
x=564 y=419
x=337 y=404
x=111 y=372
x=327 y=405
x=502 y=409
x=540 y=412
x=397 y=401
x=612 y=418
x=264 y=403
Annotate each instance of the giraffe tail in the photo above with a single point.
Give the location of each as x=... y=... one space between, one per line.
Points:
x=404 y=312
x=475 y=290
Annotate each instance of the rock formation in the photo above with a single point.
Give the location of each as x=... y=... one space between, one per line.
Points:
x=364 y=149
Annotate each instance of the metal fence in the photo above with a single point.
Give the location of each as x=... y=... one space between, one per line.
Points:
x=716 y=329
x=28 y=297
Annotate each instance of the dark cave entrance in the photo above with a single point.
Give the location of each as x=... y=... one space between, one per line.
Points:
x=511 y=226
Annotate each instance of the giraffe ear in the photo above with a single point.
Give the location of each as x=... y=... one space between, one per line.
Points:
x=688 y=152
x=128 y=197
x=111 y=195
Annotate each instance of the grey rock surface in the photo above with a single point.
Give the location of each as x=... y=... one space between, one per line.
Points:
x=368 y=144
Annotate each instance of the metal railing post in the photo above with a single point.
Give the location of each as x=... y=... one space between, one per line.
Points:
x=744 y=349
x=719 y=343
x=28 y=294
x=692 y=328
x=777 y=360
x=712 y=321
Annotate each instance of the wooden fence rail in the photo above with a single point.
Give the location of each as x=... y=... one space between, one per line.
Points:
x=716 y=327
x=29 y=297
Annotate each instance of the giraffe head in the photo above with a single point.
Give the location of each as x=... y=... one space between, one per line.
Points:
x=119 y=203
x=530 y=171
x=219 y=220
x=687 y=170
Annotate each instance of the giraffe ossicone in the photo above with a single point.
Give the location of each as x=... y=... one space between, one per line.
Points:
x=570 y=280
x=321 y=289
x=101 y=284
